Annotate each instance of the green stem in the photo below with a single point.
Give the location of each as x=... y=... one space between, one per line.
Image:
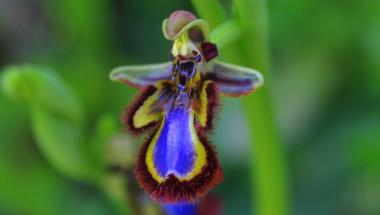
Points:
x=214 y=17
x=225 y=34
x=269 y=163
x=270 y=179
x=252 y=18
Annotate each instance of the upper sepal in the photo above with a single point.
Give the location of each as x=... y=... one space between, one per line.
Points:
x=141 y=76
x=234 y=80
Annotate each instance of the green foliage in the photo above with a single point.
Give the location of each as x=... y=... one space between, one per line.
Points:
x=58 y=125
x=269 y=181
x=57 y=117
x=320 y=102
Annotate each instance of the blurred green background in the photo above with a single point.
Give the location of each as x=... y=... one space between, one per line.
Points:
x=325 y=89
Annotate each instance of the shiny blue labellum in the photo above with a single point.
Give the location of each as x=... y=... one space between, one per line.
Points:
x=174 y=150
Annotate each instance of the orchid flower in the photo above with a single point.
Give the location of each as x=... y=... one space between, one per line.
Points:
x=176 y=108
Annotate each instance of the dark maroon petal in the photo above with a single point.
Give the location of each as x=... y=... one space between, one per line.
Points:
x=209 y=51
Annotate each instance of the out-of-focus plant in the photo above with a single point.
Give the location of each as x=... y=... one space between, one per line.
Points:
x=55 y=123
x=326 y=75
x=59 y=126
x=56 y=115
x=246 y=34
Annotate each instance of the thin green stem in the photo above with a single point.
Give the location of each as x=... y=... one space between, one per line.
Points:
x=225 y=33
x=270 y=180
x=214 y=17
x=271 y=184
x=252 y=19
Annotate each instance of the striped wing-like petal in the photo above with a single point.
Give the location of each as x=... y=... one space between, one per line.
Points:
x=234 y=80
x=141 y=76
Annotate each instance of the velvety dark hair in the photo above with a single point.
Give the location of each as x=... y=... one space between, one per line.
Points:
x=212 y=104
x=172 y=190
x=129 y=112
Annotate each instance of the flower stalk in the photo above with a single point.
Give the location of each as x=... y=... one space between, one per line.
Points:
x=269 y=170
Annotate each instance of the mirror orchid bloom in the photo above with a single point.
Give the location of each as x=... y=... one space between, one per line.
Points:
x=176 y=108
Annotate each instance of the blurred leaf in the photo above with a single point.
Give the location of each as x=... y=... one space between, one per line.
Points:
x=337 y=167
x=56 y=117
x=224 y=34
x=30 y=186
x=106 y=128
x=39 y=85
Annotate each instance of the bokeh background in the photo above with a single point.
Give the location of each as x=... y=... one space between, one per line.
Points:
x=325 y=67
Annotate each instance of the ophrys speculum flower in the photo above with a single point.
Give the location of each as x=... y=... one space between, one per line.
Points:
x=176 y=107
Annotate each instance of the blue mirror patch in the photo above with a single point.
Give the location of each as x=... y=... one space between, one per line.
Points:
x=174 y=151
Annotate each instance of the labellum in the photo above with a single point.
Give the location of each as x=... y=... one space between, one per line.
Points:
x=176 y=109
